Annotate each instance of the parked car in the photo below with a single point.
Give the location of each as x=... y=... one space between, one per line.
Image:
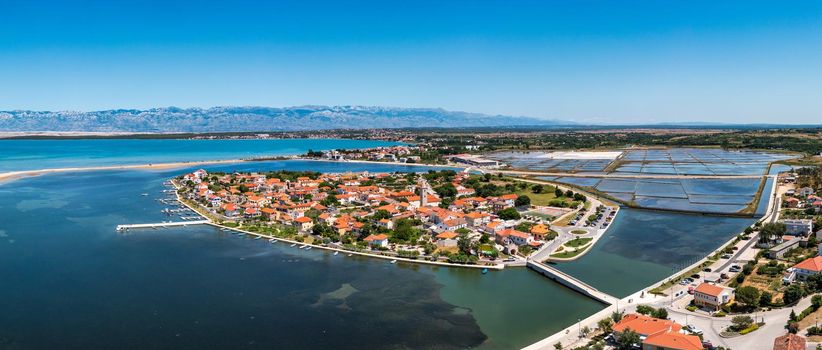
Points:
x=724 y=276
x=693 y=330
x=726 y=256
x=695 y=276
x=707 y=269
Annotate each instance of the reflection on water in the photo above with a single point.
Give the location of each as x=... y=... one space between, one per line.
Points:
x=643 y=247
x=198 y=287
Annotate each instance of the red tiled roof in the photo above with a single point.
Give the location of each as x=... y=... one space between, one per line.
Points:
x=709 y=289
x=674 y=341
x=789 y=341
x=378 y=237
x=645 y=325
x=811 y=264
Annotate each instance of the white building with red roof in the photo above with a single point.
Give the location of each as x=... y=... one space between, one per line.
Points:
x=710 y=296
x=806 y=268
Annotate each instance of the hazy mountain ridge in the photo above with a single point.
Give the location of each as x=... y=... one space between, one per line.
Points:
x=218 y=119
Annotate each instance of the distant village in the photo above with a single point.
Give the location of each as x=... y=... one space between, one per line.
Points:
x=444 y=215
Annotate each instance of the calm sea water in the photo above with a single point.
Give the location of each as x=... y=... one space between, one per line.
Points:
x=41 y=154
x=76 y=283
x=643 y=247
x=79 y=284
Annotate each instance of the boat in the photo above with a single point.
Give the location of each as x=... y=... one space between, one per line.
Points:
x=258 y=237
x=335 y=253
x=144 y=194
x=294 y=244
x=484 y=271
x=272 y=240
x=350 y=254
x=308 y=248
x=394 y=261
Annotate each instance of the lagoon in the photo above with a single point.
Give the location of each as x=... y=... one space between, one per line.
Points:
x=43 y=154
x=79 y=284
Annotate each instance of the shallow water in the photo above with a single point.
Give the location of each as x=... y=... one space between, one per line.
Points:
x=42 y=154
x=78 y=283
x=643 y=247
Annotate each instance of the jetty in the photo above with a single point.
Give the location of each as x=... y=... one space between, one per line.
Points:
x=571 y=282
x=161 y=224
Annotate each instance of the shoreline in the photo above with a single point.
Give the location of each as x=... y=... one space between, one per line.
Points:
x=341 y=250
x=549 y=341
x=18 y=174
x=14 y=175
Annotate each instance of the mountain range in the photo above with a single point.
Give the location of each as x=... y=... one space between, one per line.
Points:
x=231 y=119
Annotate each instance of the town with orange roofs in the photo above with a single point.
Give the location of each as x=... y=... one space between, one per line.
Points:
x=445 y=216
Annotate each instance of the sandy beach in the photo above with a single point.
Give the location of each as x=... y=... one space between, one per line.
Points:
x=13 y=175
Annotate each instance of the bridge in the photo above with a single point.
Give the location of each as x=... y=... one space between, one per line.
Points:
x=571 y=282
x=161 y=224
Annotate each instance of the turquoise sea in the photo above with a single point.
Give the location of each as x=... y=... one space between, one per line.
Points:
x=41 y=154
x=76 y=283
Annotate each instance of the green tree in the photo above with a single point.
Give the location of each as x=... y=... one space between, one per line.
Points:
x=765 y=298
x=446 y=190
x=793 y=293
x=557 y=192
x=747 y=295
x=660 y=313
x=605 y=324
x=741 y=322
x=627 y=340
x=644 y=309
x=522 y=201
x=382 y=214
x=508 y=214
x=464 y=243
x=537 y=188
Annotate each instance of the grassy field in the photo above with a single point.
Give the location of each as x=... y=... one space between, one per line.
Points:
x=569 y=253
x=537 y=198
x=578 y=242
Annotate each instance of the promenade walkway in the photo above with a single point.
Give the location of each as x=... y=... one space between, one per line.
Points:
x=161 y=224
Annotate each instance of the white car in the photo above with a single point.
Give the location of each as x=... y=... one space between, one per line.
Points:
x=693 y=330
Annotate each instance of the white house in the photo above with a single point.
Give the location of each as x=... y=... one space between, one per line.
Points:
x=798 y=227
x=711 y=296
x=805 y=191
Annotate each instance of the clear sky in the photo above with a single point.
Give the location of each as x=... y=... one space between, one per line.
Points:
x=586 y=61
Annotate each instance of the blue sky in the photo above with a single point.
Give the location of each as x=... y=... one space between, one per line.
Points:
x=586 y=61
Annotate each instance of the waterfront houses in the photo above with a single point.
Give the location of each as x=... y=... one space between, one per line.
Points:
x=657 y=334
x=435 y=215
x=712 y=297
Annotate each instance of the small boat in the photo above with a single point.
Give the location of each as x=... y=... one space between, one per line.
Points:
x=335 y=253
x=394 y=261
x=303 y=246
x=258 y=237
x=350 y=254
x=484 y=271
x=294 y=244
x=144 y=194
x=272 y=240
x=308 y=248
